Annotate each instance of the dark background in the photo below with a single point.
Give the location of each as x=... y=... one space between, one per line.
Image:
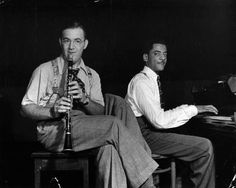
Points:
x=200 y=34
x=201 y=48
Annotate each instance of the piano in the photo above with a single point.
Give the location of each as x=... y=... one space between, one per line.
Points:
x=221 y=93
x=221 y=128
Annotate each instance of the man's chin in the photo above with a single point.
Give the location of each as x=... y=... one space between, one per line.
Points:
x=161 y=68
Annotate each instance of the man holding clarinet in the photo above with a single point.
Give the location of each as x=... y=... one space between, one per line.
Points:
x=57 y=94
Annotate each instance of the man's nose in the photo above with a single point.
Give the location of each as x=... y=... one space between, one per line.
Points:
x=162 y=57
x=71 y=45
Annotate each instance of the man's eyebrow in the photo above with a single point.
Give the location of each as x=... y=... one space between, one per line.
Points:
x=159 y=51
x=66 y=38
x=79 y=39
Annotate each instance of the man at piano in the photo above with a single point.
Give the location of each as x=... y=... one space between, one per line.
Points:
x=144 y=97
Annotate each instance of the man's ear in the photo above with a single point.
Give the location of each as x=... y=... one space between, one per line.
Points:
x=85 y=43
x=145 y=58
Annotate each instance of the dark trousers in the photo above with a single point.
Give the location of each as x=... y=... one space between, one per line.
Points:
x=196 y=151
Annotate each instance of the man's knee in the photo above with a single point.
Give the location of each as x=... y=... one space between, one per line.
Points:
x=107 y=148
x=105 y=152
x=117 y=123
x=207 y=146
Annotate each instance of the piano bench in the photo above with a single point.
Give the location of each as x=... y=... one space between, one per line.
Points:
x=46 y=162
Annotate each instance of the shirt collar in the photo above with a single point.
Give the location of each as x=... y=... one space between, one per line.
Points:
x=150 y=73
x=81 y=66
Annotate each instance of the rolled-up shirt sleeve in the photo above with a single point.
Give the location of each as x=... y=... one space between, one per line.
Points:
x=36 y=88
x=147 y=102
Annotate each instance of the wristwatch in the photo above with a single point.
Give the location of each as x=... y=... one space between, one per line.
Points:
x=53 y=113
x=86 y=101
x=77 y=103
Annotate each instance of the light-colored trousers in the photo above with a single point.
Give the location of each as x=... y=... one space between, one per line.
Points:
x=124 y=159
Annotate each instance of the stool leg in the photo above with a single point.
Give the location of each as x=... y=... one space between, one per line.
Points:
x=86 y=173
x=37 y=169
x=173 y=174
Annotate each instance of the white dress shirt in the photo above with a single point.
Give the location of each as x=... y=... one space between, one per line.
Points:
x=144 y=98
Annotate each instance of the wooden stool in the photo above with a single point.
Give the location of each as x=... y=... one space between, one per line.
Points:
x=170 y=168
x=47 y=161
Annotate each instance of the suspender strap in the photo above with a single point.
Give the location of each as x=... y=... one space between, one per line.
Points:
x=58 y=84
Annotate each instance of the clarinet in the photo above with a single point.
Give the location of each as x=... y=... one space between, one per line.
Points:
x=68 y=140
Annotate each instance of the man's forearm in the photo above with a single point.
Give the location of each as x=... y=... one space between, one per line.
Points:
x=94 y=108
x=36 y=112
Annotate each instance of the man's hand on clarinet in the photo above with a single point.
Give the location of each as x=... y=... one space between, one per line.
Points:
x=77 y=91
x=61 y=106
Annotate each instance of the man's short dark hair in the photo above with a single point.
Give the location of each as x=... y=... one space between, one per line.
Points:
x=148 y=44
x=72 y=24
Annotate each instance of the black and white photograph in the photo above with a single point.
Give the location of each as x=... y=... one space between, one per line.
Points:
x=118 y=94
